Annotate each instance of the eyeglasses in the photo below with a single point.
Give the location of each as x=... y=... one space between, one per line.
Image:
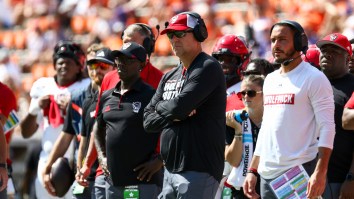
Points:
x=178 y=34
x=250 y=93
x=101 y=65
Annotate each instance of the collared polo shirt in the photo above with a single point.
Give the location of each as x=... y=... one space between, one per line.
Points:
x=127 y=143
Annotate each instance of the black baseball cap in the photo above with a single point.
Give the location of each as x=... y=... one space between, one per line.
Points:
x=103 y=55
x=131 y=50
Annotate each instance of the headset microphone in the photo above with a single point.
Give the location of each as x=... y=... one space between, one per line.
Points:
x=287 y=62
x=158 y=31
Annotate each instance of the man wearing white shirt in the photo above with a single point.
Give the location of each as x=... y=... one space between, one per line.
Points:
x=298 y=124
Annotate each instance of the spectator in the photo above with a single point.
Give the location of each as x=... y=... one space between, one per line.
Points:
x=119 y=121
x=143 y=35
x=189 y=108
x=258 y=66
x=90 y=175
x=296 y=90
x=351 y=61
x=78 y=120
x=238 y=143
x=336 y=52
x=7 y=104
x=348 y=114
x=49 y=99
x=233 y=56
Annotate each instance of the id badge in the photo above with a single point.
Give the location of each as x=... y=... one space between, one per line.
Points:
x=131 y=192
x=78 y=189
x=226 y=193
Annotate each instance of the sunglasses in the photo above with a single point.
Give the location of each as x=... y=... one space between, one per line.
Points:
x=178 y=34
x=101 y=65
x=250 y=93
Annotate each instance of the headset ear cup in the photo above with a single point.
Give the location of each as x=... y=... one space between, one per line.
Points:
x=200 y=32
x=147 y=45
x=304 y=42
x=297 y=41
x=121 y=36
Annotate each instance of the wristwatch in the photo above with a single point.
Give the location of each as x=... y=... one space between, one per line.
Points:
x=350 y=177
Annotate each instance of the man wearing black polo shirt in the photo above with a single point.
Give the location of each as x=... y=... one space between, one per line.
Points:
x=121 y=141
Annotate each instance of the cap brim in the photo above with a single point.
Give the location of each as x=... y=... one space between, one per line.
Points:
x=321 y=43
x=173 y=28
x=116 y=53
x=100 y=59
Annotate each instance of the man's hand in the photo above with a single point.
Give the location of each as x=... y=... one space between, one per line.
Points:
x=316 y=185
x=148 y=169
x=190 y=115
x=44 y=102
x=347 y=190
x=3 y=178
x=46 y=180
x=81 y=175
x=249 y=186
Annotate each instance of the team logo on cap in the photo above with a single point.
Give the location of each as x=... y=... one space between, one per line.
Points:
x=174 y=19
x=333 y=37
x=126 y=45
x=136 y=106
x=100 y=54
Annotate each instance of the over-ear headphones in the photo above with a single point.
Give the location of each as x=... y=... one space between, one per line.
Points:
x=300 y=38
x=149 y=42
x=199 y=31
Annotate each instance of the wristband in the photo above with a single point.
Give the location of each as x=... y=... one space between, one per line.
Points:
x=34 y=108
x=253 y=171
x=3 y=165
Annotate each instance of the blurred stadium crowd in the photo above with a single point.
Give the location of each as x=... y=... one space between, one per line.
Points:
x=31 y=28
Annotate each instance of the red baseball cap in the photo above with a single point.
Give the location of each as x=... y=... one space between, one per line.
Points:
x=336 y=39
x=180 y=22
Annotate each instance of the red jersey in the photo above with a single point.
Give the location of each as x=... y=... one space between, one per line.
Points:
x=7 y=103
x=350 y=102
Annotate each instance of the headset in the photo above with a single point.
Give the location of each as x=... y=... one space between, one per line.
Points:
x=149 y=42
x=300 y=38
x=200 y=31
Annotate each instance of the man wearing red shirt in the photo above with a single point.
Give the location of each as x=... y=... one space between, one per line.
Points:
x=7 y=104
